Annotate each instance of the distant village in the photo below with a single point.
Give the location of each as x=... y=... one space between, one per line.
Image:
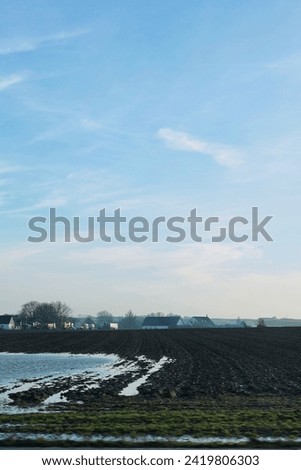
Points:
x=105 y=321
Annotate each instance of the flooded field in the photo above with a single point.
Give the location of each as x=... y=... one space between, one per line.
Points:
x=32 y=382
x=21 y=372
x=21 y=366
x=239 y=388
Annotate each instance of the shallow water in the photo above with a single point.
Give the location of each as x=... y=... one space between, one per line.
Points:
x=144 y=439
x=18 y=366
x=124 y=438
x=21 y=372
x=132 y=388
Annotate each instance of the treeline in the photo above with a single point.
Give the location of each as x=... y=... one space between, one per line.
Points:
x=104 y=319
x=44 y=314
x=58 y=315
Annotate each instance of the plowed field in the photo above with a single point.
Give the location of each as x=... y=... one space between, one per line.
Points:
x=205 y=362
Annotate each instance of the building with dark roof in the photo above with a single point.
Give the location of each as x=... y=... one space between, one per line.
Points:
x=7 y=322
x=162 y=323
x=201 y=322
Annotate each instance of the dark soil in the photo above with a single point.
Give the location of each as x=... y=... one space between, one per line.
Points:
x=205 y=362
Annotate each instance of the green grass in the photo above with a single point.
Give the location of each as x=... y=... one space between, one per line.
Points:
x=223 y=417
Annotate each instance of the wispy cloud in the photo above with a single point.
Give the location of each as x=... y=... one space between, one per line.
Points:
x=289 y=64
x=12 y=259
x=51 y=134
x=17 y=45
x=10 y=80
x=70 y=125
x=130 y=257
x=91 y=125
x=4 y=168
x=42 y=204
x=223 y=154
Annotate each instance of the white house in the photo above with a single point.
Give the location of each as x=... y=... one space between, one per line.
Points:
x=7 y=322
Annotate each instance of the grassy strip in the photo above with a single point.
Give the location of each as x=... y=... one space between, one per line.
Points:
x=265 y=416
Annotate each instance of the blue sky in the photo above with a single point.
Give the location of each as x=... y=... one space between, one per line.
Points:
x=155 y=108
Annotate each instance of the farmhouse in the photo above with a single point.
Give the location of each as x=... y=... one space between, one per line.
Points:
x=162 y=323
x=231 y=323
x=7 y=322
x=201 y=322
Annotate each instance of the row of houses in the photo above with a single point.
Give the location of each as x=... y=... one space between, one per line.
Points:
x=10 y=322
x=161 y=323
x=7 y=322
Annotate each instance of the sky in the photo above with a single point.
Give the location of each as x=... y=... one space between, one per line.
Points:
x=156 y=109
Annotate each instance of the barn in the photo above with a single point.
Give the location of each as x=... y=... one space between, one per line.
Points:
x=7 y=322
x=162 y=323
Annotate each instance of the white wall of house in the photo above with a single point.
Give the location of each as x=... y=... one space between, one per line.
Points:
x=8 y=326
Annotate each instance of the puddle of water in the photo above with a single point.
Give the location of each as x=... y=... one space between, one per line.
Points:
x=30 y=376
x=21 y=372
x=113 y=371
x=132 y=388
x=125 y=438
x=146 y=439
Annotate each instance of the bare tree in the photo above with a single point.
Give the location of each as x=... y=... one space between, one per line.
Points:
x=89 y=320
x=45 y=313
x=63 y=312
x=261 y=323
x=156 y=314
x=104 y=318
x=26 y=312
x=129 y=321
